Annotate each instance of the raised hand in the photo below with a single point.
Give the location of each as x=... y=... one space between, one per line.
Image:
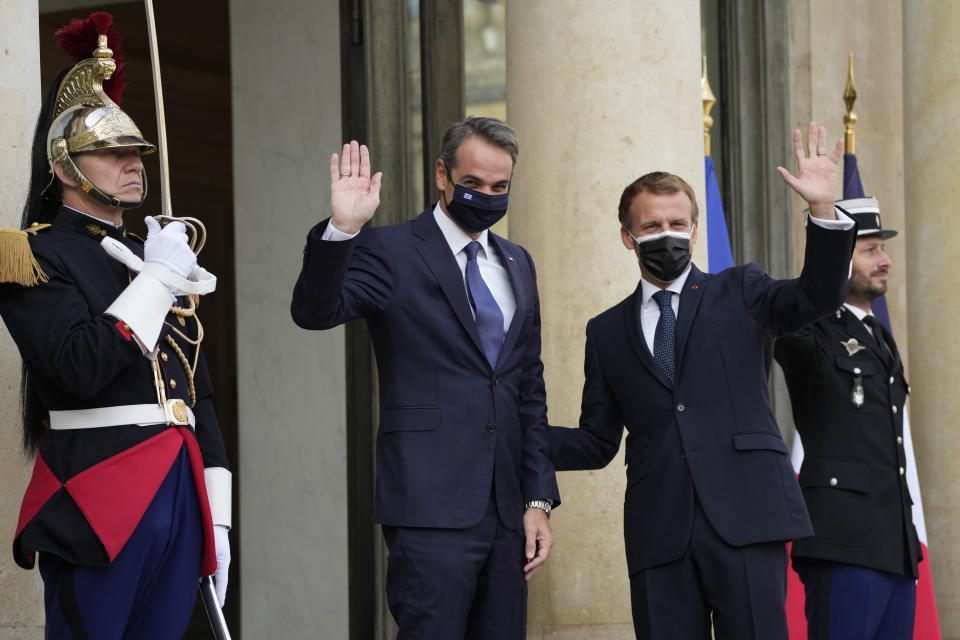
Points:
x=816 y=179
x=354 y=195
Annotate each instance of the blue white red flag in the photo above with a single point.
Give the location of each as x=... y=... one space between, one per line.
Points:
x=718 y=241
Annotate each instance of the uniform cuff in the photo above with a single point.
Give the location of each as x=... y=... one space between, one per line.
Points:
x=219 y=493
x=142 y=306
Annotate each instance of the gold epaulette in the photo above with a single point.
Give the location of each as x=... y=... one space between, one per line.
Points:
x=17 y=262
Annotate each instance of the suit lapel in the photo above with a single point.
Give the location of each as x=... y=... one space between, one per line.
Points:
x=634 y=330
x=521 y=292
x=690 y=299
x=436 y=253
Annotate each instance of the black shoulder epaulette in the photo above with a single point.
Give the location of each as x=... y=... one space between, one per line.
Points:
x=17 y=262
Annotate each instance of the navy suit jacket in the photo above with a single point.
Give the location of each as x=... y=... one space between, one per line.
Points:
x=452 y=428
x=713 y=436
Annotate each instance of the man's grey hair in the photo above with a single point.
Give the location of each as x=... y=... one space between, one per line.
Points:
x=497 y=133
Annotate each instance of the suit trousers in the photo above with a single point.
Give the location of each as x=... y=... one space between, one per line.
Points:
x=458 y=583
x=742 y=590
x=148 y=591
x=846 y=602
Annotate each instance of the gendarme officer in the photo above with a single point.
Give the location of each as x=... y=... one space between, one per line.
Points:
x=848 y=392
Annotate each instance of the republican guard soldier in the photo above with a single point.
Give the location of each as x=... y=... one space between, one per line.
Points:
x=129 y=502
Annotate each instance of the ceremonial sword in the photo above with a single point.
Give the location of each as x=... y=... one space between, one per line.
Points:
x=196 y=228
x=198 y=233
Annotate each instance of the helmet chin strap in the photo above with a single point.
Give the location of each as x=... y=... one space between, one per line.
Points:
x=74 y=173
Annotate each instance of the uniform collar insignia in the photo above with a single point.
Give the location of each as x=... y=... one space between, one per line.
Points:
x=95 y=229
x=852 y=346
x=85 y=225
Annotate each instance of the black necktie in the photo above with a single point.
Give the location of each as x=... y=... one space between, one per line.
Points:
x=663 y=338
x=878 y=335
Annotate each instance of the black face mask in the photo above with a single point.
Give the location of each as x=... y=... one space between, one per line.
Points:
x=475 y=211
x=664 y=255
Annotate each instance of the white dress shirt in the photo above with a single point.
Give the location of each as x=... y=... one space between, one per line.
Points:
x=650 y=310
x=491 y=267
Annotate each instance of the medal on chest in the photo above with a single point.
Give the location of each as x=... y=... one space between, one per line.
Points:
x=856 y=393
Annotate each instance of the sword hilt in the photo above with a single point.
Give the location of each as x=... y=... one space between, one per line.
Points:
x=195 y=229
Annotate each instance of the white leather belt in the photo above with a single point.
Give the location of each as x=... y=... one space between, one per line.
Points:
x=173 y=412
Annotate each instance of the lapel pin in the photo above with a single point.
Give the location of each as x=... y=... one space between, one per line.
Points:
x=852 y=346
x=694 y=286
x=510 y=258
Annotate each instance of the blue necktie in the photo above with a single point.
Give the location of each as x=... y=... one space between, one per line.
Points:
x=664 y=337
x=489 y=317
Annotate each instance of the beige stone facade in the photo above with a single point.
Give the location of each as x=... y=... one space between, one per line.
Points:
x=590 y=109
x=931 y=139
x=599 y=94
x=21 y=593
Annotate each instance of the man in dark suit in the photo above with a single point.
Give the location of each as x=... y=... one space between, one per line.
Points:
x=464 y=484
x=848 y=393
x=683 y=364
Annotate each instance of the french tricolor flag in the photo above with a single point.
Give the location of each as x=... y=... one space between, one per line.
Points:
x=926 y=625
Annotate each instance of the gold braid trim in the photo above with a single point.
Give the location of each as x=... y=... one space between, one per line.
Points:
x=186 y=367
x=17 y=262
x=190 y=371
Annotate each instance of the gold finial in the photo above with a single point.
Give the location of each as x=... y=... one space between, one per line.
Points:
x=850 y=119
x=102 y=50
x=708 y=101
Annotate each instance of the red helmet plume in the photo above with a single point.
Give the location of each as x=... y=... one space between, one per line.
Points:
x=79 y=38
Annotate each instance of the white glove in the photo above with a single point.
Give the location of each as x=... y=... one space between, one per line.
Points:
x=221 y=540
x=169 y=247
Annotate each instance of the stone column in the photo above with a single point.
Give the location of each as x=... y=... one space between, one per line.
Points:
x=21 y=592
x=285 y=70
x=932 y=135
x=599 y=94
x=819 y=51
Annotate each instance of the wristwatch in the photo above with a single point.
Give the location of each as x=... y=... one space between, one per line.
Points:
x=546 y=505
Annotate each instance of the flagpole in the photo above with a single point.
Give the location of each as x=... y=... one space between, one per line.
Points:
x=708 y=101
x=850 y=118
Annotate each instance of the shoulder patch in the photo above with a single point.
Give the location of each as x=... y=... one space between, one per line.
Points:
x=17 y=262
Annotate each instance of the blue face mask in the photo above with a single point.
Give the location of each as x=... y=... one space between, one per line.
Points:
x=474 y=211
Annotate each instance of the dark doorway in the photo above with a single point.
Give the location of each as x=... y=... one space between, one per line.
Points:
x=194 y=43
